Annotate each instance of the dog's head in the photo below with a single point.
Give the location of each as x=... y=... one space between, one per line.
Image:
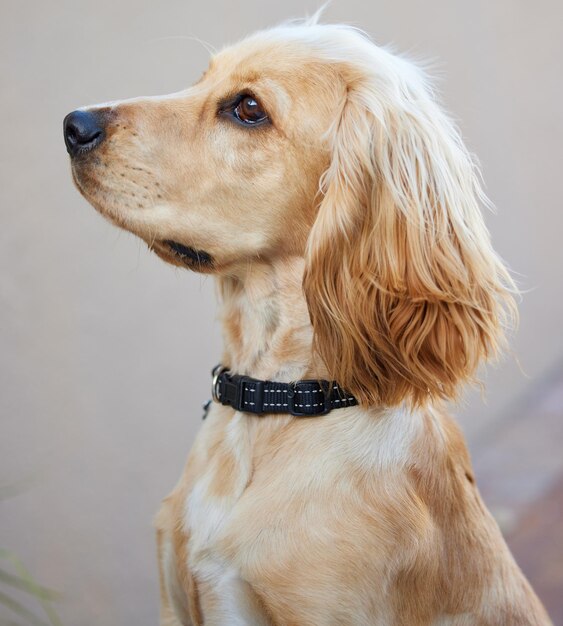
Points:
x=311 y=140
x=224 y=172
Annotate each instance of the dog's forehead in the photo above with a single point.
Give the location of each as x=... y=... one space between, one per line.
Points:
x=259 y=57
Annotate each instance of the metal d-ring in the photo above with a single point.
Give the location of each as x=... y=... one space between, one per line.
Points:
x=216 y=372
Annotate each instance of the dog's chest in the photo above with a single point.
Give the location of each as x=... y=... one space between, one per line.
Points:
x=259 y=526
x=223 y=594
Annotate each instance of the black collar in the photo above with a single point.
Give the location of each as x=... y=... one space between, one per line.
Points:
x=302 y=398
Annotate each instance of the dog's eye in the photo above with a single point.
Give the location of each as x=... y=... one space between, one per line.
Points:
x=249 y=111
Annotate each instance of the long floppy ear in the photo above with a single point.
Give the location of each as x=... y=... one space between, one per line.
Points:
x=405 y=293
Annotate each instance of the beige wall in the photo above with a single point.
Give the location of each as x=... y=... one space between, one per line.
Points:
x=105 y=351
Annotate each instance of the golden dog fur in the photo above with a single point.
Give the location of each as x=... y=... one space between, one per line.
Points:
x=347 y=241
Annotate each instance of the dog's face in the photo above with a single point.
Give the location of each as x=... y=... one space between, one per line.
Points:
x=222 y=173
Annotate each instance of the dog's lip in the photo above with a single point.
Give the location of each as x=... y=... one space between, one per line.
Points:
x=187 y=254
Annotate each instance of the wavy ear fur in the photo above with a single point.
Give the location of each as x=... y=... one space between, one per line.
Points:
x=406 y=294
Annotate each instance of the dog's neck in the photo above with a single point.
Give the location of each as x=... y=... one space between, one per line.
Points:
x=266 y=327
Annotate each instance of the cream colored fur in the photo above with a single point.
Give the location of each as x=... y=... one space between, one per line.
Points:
x=348 y=243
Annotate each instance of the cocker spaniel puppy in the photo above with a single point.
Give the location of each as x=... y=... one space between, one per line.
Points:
x=315 y=176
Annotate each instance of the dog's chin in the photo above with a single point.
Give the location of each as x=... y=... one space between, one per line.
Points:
x=168 y=250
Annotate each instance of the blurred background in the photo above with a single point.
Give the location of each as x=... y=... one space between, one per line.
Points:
x=104 y=350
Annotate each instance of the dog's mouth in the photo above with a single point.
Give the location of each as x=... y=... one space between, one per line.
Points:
x=169 y=250
x=185 y=255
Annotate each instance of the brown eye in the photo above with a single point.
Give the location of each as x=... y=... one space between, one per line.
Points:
x=250 y=111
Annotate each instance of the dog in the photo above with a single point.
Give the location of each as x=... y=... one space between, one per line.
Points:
x=315 y=175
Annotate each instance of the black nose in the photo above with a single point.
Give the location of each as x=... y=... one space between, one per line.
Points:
x=83 y=131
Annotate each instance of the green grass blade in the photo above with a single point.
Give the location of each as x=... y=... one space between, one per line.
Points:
x=21 y=583
x=33 y=587
x=20 y=610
